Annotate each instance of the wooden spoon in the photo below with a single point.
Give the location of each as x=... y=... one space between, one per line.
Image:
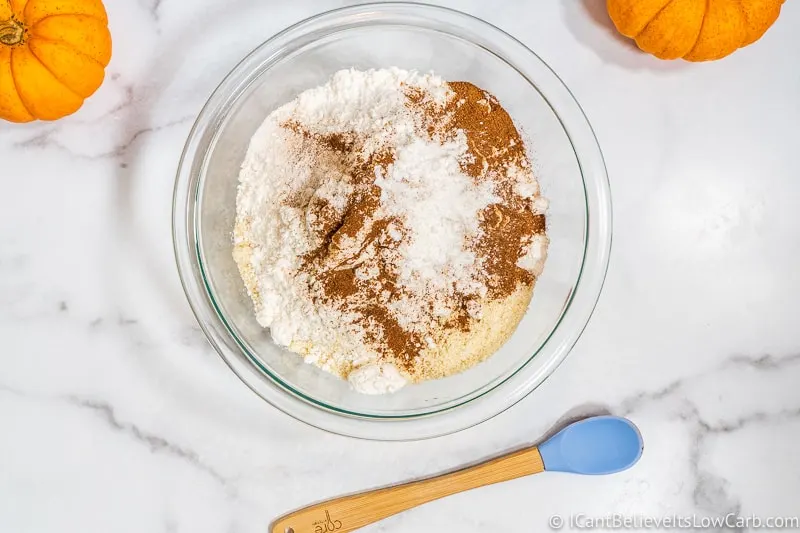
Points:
x=598 y=445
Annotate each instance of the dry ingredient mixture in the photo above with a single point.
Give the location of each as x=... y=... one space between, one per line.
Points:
x=389 y=227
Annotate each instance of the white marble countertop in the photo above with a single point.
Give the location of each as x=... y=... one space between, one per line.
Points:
x=118 y=417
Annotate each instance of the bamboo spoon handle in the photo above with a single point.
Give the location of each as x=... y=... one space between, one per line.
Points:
x=349 y=513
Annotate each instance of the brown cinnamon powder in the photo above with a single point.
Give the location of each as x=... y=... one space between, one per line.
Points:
x=346 y=236
x=492 y=138
x=496 y=146
x=357 y=239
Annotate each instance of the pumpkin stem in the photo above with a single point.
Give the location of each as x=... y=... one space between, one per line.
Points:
x=12 y=32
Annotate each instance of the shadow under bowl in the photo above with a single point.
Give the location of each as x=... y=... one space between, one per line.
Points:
x=458 y=47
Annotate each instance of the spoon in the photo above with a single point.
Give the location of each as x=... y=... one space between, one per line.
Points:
x=594 y=446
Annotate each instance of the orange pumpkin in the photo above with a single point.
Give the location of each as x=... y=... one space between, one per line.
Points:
x=53 y=55
x=696 y=30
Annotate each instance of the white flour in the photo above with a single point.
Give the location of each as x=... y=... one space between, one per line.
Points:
x=440 y=205
x=372 y=103
x=282 y=179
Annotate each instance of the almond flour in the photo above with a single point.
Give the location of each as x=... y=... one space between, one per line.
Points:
x=389 y=227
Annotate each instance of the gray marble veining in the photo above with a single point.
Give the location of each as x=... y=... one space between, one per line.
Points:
x=117 y=416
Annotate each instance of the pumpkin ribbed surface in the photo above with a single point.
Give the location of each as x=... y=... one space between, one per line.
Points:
x=695 y=30
x=53 y=55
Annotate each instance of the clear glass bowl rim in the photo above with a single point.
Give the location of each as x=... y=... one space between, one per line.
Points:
x=506 y=393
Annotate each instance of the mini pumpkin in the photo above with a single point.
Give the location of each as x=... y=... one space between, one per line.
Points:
x=695 y=30
x=53 y=55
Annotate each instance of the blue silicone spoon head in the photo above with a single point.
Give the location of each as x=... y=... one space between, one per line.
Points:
x=595 y=446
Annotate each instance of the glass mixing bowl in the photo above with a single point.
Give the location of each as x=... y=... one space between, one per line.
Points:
x=456 y=46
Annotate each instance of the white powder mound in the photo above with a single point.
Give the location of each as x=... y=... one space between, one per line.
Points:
x=371 y=102
x=534 y=257
x=440 y=206
x=272 y=236
x=285 y=180
x=381 y=378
